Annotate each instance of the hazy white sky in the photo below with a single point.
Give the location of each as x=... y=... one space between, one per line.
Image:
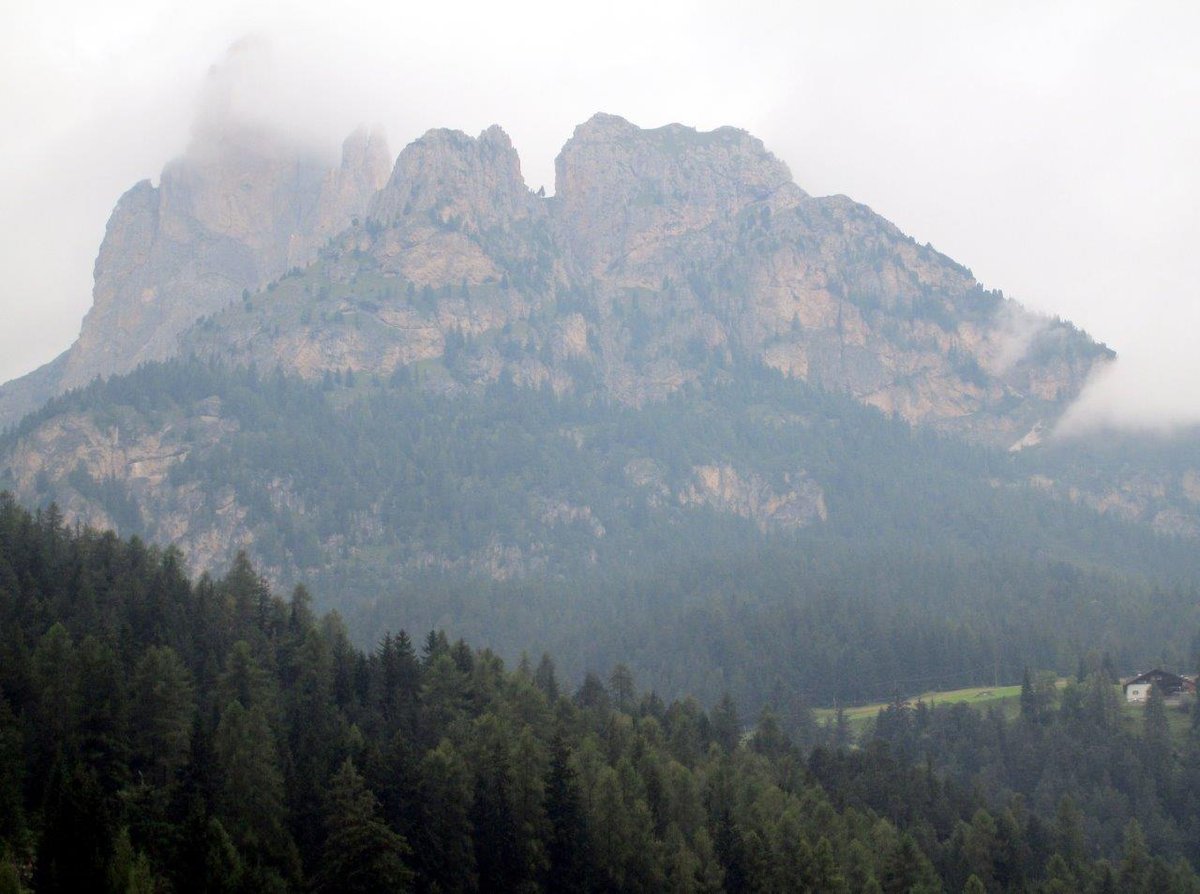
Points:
x=1050 y=147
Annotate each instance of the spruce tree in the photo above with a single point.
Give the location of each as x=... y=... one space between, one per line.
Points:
x=567 y=843
x=361 y=854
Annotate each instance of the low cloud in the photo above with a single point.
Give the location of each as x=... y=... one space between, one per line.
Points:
x=1136 y=393
x=1016 y=331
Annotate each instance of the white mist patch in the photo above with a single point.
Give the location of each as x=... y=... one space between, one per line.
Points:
x=1142 y=391
x=1016 y=330
x=248 y=98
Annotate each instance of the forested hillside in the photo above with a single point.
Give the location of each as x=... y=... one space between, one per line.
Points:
x=750 y=534
x=680 y=414
x=464 y=387
x=163 y=735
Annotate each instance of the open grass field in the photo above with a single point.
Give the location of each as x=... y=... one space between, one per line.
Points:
x=1008 y=698
x=859 y=716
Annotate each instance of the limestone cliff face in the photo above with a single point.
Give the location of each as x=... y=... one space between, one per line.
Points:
x=1151 y=480
x=455 y=210
x=77 y=454
x=238 y=209
x=665 y=258
x=798 y=503
x=452 y=247
x=471 y=184
x=662 y=253
x=715 y=244
x=625 y=197
x=345 y=195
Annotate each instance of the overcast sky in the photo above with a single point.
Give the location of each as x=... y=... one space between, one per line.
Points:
x=1050 y=147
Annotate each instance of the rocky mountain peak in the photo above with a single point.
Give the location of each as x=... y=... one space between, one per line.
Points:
x=664 y=252
x=240 y=207
x=365 y=155
x=470 y=183
x=248 y=185
x=346 y=193
x=620 y=189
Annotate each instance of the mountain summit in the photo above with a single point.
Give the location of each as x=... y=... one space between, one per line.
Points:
x=662 y=252
x=239 y=208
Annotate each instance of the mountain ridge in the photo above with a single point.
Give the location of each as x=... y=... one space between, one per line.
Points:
x=680 y=392
x=701 y=238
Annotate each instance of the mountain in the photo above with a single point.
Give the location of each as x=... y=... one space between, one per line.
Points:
x=237 y=210
x=660 y=252
x=679 y=402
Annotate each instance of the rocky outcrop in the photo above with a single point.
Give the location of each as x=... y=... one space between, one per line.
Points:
x=800 y=502
x=795 y=502
x=469 y=184
x=663 y=253
x=719 y=253
x=237 y=210
x=345 y=195
x=1161 y=491
x=24 y=395
x=625 y=197
x=455 y=210
x=97 y=469
x=226 y=217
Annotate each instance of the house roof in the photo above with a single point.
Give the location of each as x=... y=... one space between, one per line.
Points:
x=1156 y=674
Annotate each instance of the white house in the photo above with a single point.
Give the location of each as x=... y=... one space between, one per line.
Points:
x=1172 y=686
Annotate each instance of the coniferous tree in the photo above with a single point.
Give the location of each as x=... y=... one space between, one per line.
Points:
x=1028 y=701
x=250 y=799
x=974 y=886
x=55 y=680
x=545 y=678
x=76 y=846
x=445 y=852
x=726 y=727
x=1156 y=735
x=1134 y=873
x=567 y=844
x=1068 y=835
x=361 y=854
x=621 y=686
x=313 y=730
x=207 y=860
x=102 y=736
x=162 y=708
x=12 y=774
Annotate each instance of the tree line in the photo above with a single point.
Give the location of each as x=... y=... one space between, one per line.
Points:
x=160 y=734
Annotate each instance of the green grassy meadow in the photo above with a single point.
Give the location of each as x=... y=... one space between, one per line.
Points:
x=1005 y=697
x=859 y=716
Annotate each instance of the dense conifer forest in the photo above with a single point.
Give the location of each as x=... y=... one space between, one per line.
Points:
x=937 y=565
x=159 y=734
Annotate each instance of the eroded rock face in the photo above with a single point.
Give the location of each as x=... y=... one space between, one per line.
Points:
x=800 y=502
x=345 y=195
x=238 y=209
x=224 y=218
x=625 y=196
x=468 y=184
x=663 y=253
x=707 y=239
x=666 y=257
x=77 y=455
